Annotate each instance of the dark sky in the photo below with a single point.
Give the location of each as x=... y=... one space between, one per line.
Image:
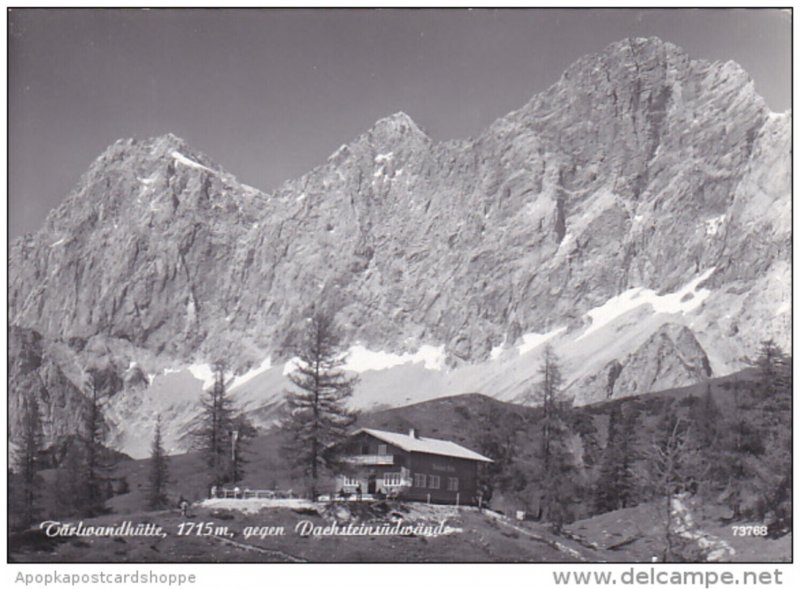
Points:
x=269 y=94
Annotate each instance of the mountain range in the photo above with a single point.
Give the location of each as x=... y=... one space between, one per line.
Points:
x=636 y=216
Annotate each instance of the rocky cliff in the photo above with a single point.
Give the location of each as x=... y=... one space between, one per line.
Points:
x=642 y=188
x=34 y=372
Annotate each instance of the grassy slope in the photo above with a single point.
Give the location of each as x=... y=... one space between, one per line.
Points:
x=636 y=534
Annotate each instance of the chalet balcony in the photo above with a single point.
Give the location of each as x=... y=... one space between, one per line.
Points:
x=371 y=459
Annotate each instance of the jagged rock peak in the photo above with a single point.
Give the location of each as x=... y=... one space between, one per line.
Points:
x=671 y=357
x=644 y=44
x=398 y=120
x=638 y=49
x=628 y=59
x=398 y=124
x=167 y=146
x=638 y=55
x=166 y=143
x=141 y=178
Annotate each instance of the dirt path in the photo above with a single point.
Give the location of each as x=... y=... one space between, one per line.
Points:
x=715 y=549
x=280 y=555
x=563 y=548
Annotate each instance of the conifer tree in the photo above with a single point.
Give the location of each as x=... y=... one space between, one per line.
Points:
x=241 y=433
x=773 y=368
x=753 y=462
x=214 y=429
x=616 y=484
x=159 y=472
x=27 y=463
x=317 y=417
x=68 y=488
x=605 y=495
x=706 y=420
x=773 y=422
x=707 y=432
x=554 y=407
x=557 y=474
x=499 y=441
x=97 y=461
x=741 y=448
x=774 y=372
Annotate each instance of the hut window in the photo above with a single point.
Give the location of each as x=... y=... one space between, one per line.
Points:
x=433 y=481
x=382 y=449
x=452 y=484
x=392 y=479
x=419 y=480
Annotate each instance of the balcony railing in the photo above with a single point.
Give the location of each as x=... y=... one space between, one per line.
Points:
x=397 y=483
x=371 y=459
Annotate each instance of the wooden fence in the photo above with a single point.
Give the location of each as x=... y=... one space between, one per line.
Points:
x=252 y=494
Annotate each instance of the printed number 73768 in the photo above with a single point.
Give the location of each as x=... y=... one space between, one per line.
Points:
x=749 y=530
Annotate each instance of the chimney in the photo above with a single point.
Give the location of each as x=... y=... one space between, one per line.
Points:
x=412 y=433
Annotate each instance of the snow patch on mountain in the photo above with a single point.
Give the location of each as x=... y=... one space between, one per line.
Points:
x=204 y=373
x=149 y=180
x=361 y=359
x=684 y=300
x=342 y=149
x=238 y=381
x=713 y=225
x=179 y=157
x=291 y=366
x=531 y=341
x=498 y=351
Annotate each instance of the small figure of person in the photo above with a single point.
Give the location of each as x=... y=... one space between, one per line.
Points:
x=236 y=492
x=213 y=491
x=183 y=504
x=358 y=492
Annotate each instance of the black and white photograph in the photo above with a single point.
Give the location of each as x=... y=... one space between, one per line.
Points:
x=400 y=285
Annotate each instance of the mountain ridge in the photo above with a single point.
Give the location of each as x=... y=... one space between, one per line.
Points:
x=635 y=173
